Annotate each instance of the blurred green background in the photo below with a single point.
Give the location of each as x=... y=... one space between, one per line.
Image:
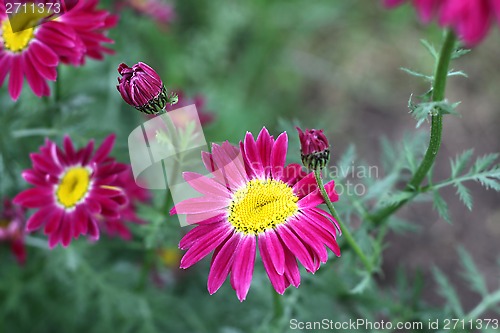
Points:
x=323 y=64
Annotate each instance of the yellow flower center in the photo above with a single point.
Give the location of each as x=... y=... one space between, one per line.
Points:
x=262 y=205
x=17 y=30
x=73 y=186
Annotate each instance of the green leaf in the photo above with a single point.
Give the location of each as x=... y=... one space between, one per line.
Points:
x=423 y=110
x=459 y=52
x=484 y=162
x=441 y=207
x=448 y=292
x=429 y=47
x=489 y=182
x=417 y=74
x=457 y=73
x=464 y=195
x=471 y=274
x=458 y=165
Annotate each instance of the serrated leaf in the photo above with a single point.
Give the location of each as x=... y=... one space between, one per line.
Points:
x=429 y=47
x=417 y=74
x=460 y=162
x=459 y=52
x=464 y=195
x=448 y=292
x=471 y=274
x=489 y=183
x=457 y=73
x=483 y=162
x=441 y=207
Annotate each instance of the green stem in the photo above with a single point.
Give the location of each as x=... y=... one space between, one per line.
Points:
x=345 y=232
x=487 y=302
x=438 y=94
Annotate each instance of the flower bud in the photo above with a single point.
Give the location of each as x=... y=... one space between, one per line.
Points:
x=314 y=148
x=141 y=87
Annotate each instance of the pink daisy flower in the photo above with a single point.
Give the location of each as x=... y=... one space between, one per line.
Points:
x=12 y=229
x=471 y=20
x=254 y=200
x=135 y=194
x=33 y=52
x=90 y=25
x=72 y=188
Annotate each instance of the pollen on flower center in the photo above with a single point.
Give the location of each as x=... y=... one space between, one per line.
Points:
x=15 y=41
x=73 y=186
x=262 y=205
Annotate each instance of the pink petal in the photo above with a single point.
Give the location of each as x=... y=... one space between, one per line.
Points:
x=243 y=266
x=200 y=232
x=296 y=246
x=278 y=156
x=37 y=219
x=34 y=198
x=275 y=250
x=278 y=282
x=252 y=156
x=222 y=263
x=206 y=185
x=310 y=238
x=292 y=272
x=16 y=77
x=204 y=246
x=201 y=205
x=54 y=221
x=265 y=146
x=104 y=149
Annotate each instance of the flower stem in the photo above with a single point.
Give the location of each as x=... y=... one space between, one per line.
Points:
x=438 y=93
x=345 y=231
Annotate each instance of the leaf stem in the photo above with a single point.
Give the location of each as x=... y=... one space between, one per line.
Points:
x=345 y=231
x=438 y=94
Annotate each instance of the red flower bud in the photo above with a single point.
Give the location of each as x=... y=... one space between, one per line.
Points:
x=314 y=148
x=141 y=87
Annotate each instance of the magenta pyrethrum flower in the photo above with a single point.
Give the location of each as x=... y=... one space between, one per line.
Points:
x=12 y=218
x=33 y=53
x=73 y=189
x=90 y=25
x=141 y=87
x=254 y=200
x=314 y=148
x=470 y=19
